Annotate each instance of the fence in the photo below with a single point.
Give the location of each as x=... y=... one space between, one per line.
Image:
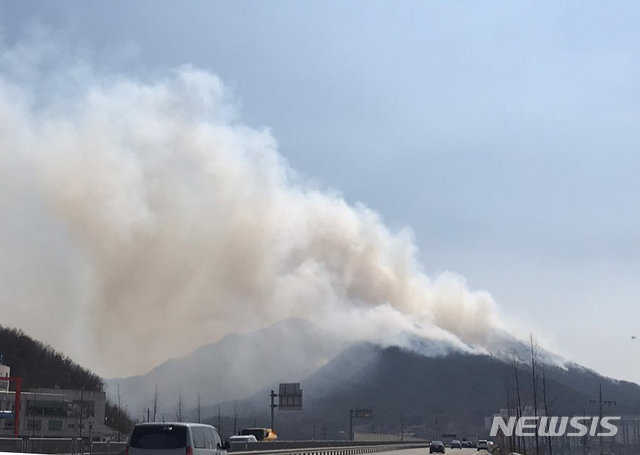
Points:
x=60 y=446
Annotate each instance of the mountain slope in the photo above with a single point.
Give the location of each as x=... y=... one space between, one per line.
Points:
x=232 y=368
x=39 y=365
x=455 y=390
x=451 y=393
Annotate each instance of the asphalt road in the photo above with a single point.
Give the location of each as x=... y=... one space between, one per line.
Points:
x=425 y=451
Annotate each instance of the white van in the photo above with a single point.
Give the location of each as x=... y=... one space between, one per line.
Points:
x=175 y=438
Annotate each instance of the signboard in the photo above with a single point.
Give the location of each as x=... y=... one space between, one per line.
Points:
x=290 y=397
x=363 y=413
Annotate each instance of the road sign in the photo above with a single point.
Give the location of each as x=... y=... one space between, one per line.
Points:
x=363 y=413
x=290 y=397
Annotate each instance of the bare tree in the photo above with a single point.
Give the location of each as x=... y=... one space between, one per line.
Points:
x=520 y=441
x=546 y=403
x=534 y=386
x=179 y=410
x=235 y=419
x=119 y=404
x=155 y=403
x=198 y=409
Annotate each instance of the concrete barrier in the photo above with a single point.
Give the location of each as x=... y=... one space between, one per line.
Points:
x=51 y=445
x=108 y=448
x=11 y=445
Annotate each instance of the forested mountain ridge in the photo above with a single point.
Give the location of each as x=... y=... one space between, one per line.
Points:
x=39 y=365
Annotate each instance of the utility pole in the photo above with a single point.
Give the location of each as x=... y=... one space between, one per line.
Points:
x=235 y=419
x=81 y=409
x=600 y=403
x=273 y=406
x=351 y=412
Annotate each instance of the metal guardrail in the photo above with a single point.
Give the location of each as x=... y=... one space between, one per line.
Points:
x=324 y=448
x=71 y=446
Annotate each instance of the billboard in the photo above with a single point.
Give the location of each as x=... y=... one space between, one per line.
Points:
x=290 y=397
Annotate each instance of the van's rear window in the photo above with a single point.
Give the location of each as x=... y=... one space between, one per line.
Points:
x=159 y=437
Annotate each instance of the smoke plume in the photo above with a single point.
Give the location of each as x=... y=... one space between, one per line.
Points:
x=143 y=219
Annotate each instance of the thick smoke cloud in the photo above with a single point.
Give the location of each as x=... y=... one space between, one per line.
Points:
x=143 y=219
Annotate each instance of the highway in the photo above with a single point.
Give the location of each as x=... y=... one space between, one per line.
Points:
x=425 y=451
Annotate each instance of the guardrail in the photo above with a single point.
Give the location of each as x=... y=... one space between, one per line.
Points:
x=71 y=446
x=321 y=448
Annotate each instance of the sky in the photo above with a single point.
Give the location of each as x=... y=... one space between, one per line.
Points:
x=503 y=134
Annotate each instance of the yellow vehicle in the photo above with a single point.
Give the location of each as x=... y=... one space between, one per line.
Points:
x=261 y=434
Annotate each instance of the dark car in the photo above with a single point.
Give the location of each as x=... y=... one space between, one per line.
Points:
x=436 y=447
x=455 y=444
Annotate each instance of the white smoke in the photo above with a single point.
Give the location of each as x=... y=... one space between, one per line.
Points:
x=143 y=219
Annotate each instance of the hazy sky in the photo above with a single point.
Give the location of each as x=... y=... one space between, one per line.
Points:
x=504 y=134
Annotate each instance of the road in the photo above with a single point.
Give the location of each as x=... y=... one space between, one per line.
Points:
x=425 y=451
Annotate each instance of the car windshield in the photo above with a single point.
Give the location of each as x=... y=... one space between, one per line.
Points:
x=159 y=437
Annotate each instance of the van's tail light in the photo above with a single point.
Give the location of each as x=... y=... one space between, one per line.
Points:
x=126 y=451
x=189 y=451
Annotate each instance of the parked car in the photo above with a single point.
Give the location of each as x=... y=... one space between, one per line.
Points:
x=436 y=447
x=175 y=438
x=456 y=444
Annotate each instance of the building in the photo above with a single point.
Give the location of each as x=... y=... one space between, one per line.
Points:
x=4 y=373
x=56 y=413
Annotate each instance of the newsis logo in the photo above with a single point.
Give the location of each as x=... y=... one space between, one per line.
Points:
x=555 y=426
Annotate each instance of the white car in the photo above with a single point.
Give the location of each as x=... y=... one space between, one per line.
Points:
x=175 y=438
x=242 y=438
x=482 y=445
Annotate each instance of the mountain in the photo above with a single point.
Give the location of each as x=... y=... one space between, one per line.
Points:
x=231 y=369
x=40 y=366
x=445 y=391
x=452 y=393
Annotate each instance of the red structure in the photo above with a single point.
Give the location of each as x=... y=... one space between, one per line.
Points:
x=16 y=417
